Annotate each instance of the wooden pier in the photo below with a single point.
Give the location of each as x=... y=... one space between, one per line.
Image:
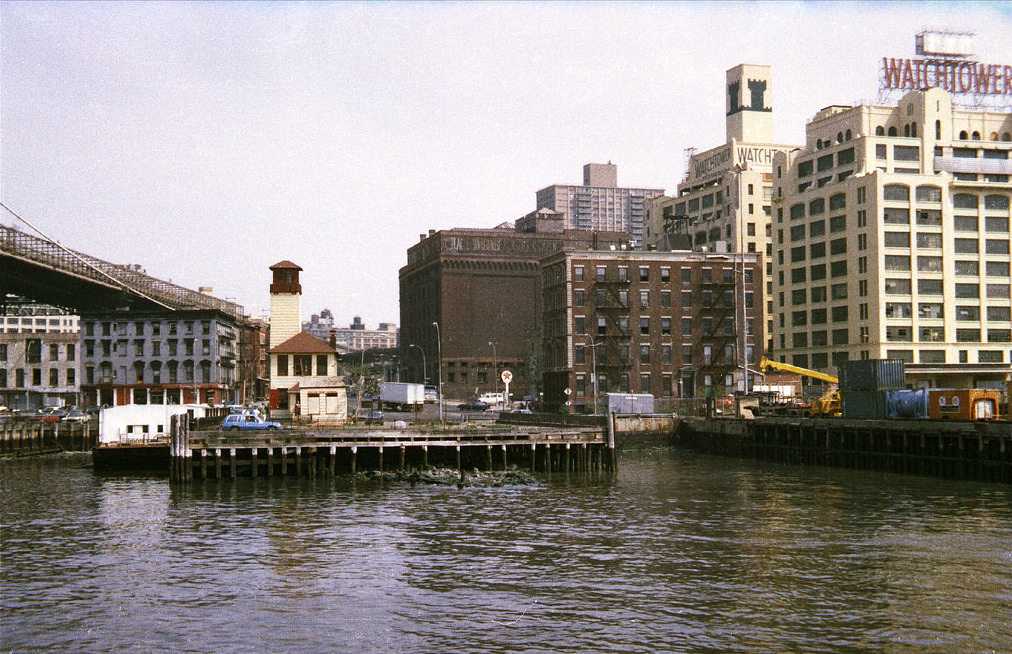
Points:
x=19 y=437
x=230 y=455
x=958 y=449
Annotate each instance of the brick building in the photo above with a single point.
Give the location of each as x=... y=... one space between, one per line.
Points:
x=483 y=287
x=674 y=324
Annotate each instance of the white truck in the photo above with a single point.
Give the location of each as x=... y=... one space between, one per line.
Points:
x=402 y=396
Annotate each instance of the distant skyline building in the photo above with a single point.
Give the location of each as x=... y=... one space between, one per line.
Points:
x=354 y=336
x=599 y=204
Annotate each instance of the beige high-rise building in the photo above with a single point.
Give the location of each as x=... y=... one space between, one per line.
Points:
x=723 y=203
x=891 y=240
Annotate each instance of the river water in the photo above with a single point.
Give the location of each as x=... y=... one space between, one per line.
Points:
x=676 y=552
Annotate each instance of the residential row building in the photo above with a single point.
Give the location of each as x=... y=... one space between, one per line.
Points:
x=39 y=354
x=673 y=324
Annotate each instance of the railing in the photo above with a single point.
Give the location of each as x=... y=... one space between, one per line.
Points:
x=43 y=251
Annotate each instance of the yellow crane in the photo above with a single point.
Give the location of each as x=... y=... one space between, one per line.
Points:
x=826 y=406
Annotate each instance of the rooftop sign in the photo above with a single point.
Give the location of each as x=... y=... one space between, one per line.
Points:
x=955 y=76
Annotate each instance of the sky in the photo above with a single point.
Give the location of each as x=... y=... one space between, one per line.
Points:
x=207 y=141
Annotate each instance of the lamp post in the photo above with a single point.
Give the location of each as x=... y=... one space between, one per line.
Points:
x=439 y=363
x=593 y=359
x=495 y=368
x=425 y=371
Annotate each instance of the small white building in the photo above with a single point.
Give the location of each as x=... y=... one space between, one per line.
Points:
x=141 y=423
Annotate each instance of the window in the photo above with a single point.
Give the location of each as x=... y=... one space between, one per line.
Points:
x=644 y=274
x=997 y=268
x=929 y=194
x=968 y=313
x=932 y=335
x=838 y=224
x=965 y=223
x=666 y=326
x=896 y=193
x=966 y=246
x=964 y=201
x=967 y=290
x=967 y=269
x=623 y=274
x=282 y=365
x=898 y=286
x=906 y=153
x=881 y=151
x=897 y=262
x=929 y=287
x=996 y=247
x=666 y=299
x=896 y=239
x=645 y=326
x=601 y=273
x=644 y=299
x=578 y=273
x=578 y=298
x=602 y=326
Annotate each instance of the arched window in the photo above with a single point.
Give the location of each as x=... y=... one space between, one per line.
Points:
x=892 y=131
x=938 y=130
x=847 y=136
x=994 y=136
x=964 y=201
x=818 y=144
x=975 y=136
x=896 y=192
x=906 y=130
x=963 y=135
x=913 y=130
x=880 y=131
x=928 y=193
x=996 y=202
x=839 y=137
x=1006 y=136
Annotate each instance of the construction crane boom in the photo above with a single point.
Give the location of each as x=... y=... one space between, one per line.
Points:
x=765 y=363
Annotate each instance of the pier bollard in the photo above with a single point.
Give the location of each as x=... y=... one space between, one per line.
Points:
x=284 y=461
x=488 y=456
x=333 y=460
x=460 y=468
x=425 y=456
x=217 y=463
x=232 y=461
x=298 y=460
x=203 y=463
x=402 y=456
x=548 y=457
x=534 y=456
x=354 y=458
x=565 y=459
x=381 y=458
x=270 y=461
x=253 y=463
x=505 y=464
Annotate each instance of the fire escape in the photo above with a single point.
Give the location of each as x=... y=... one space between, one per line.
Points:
x=716 y=340
x=612 y=328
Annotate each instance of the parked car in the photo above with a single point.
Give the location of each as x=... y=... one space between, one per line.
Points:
x=247 y=422
x=474 y=405
x=76 y=415
x=373 y=417
x=431 y=395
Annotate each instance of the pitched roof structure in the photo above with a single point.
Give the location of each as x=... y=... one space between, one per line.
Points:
x=303 y=343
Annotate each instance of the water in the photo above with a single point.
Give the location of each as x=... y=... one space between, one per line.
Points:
x=676 y=552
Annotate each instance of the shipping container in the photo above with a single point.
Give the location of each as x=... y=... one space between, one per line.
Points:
x=634 y=403
x=865 y=404
x=963 y=404
x=872 y=374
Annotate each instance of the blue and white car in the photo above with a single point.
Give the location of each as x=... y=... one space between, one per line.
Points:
x=247 y=422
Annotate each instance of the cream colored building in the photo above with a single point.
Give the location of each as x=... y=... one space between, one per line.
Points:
x=891 y=239
x=723 y=203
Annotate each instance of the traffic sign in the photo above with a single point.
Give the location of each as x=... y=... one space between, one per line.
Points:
x=507 y=376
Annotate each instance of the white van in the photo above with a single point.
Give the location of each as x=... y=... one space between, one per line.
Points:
x=492 y=399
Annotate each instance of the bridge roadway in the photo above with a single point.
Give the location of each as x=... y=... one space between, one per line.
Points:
x=217 y=454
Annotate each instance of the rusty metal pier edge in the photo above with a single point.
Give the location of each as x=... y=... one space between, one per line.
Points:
x=973 y=450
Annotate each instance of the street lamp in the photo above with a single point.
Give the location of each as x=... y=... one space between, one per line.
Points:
x=593 y=358
x=439 y=363
x=495 y=368
x=425 y=371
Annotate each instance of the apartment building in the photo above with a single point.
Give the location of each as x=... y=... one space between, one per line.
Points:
x=599 y=204
x=891 y=240
x=39 y=355
x=673 y=324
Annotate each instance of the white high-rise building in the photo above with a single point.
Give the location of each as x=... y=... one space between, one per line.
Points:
x=891 y=240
